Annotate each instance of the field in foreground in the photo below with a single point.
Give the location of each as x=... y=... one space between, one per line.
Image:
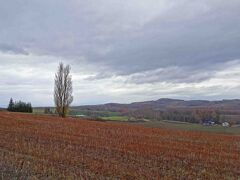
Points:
x=49 y=147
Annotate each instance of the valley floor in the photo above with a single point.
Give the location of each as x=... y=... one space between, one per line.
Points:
x=191 y=127
x=48 y=147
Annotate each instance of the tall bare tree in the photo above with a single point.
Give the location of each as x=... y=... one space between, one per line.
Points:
x=63 y=90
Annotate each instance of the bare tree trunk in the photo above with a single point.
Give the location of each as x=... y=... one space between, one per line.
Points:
x=63 y=90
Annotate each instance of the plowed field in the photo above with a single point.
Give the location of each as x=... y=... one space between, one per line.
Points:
x=48 y=147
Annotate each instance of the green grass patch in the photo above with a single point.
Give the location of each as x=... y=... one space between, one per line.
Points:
x=116 y=118
x=93 y=113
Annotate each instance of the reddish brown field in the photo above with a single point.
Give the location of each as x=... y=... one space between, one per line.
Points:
x=45 y=147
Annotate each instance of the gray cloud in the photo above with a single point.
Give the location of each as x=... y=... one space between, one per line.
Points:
x=171 y=74
x=12 y=49
x=135 y=42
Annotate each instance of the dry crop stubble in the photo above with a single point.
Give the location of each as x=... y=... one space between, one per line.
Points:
x=51 y=147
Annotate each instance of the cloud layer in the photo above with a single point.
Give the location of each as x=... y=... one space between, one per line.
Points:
x=120 y=51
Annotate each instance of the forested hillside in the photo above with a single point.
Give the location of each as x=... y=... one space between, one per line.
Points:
x=171 y=109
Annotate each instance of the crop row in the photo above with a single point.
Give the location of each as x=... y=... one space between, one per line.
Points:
x=47 y=146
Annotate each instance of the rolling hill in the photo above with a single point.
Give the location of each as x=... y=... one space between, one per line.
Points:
x=163 y=104
x=172 y=109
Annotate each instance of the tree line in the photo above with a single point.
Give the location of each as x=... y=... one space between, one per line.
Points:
x=19 y=106
x=185 y=115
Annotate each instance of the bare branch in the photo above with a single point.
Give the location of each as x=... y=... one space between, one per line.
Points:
x=63 y=90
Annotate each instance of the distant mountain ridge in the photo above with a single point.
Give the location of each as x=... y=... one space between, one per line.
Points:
x=166 y=103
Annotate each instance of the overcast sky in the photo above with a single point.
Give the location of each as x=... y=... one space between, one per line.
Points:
x=120 y=51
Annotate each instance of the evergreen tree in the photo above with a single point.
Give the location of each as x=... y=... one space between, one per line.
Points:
x=20 y=106
x=11 y=105
x=29 y=108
